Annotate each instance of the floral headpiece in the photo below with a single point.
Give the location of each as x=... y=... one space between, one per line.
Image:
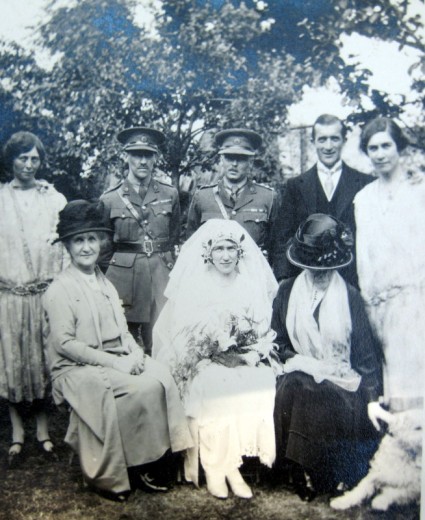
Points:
x=208 y=247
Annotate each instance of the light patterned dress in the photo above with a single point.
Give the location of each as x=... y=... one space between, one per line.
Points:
x=391 y=267
x=28 y=262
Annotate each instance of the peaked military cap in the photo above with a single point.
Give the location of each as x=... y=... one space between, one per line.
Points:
x=141 y=138
x=239 y=141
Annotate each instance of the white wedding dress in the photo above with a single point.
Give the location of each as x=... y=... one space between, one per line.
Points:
x=230 y=409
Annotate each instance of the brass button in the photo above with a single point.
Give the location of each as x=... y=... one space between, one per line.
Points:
x=233 y=212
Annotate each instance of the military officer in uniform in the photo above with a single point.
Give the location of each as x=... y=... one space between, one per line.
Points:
x=236 y=196
x=145 y=214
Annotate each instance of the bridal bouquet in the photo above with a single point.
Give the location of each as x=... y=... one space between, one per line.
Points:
x=227 y=340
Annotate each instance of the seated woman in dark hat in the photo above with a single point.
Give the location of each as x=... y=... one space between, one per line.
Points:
x=125 y=408
x=332 y=365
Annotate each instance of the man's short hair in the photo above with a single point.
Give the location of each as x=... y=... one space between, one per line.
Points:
x=328 y=119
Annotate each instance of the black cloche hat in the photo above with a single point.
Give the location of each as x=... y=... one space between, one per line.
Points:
x=321 y=242
x=80 y=216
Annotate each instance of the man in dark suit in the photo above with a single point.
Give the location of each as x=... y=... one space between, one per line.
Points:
x=328 y=187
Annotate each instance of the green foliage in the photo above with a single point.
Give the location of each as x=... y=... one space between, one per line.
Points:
x=208 y=64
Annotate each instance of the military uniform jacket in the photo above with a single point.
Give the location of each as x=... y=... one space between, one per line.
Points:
x=141 y=277
x=303 y=196
x=255 y=209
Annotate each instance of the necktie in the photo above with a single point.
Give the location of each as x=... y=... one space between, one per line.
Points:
x=142 y=191
x=329 y=185
x=233 y=196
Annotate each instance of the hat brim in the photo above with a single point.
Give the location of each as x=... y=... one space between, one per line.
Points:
x=81 y=231
x=125 y=134
x=135 y=147
x=291 y=256
x=236 y=150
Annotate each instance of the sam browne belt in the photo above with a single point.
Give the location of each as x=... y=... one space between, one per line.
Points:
x=147 y=247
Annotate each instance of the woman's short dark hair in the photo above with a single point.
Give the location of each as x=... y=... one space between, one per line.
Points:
x=383 y=124
x=18 y=143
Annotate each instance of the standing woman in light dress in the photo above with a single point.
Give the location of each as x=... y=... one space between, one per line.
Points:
x=28 y=262
x=214 y=335
x=391 y=264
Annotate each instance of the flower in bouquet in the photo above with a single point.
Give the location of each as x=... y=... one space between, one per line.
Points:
x=227 y=340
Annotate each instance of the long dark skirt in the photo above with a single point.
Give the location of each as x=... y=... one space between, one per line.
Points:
x=323 y=428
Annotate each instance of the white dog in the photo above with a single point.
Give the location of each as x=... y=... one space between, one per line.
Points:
x=395 y=471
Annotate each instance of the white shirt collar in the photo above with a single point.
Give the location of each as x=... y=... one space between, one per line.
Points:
x=323 y=172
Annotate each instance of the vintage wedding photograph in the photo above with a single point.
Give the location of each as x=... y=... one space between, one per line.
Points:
x=212 y=259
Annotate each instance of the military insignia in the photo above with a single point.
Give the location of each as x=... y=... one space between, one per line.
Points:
x=144 y=139
x=237 y=140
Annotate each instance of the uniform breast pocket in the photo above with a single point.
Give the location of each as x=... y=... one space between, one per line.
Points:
x=125 y=225
x=255 y=217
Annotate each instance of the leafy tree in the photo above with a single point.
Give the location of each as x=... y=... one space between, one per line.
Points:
x=208 y=64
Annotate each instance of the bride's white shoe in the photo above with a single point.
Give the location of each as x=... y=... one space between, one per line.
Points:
x=238 y=485
x=216 y=484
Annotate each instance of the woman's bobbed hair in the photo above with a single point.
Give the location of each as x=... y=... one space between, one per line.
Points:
x=18 y=143
x=383 y=124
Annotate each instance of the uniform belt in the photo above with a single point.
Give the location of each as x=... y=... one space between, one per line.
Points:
x=146 y=247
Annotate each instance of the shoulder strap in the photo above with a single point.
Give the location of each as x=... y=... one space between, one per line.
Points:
x=130 y=207
x=220 y=203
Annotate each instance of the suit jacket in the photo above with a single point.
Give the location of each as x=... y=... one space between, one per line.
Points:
x=255 y=210
x=303 y=196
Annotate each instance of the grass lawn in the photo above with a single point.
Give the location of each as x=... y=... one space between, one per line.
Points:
x=39 y=490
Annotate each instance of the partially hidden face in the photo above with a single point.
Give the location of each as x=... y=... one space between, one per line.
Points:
x=328 y=141
x=84 y=250
x=382 y=151
x=320 y=278
x=236 y=167
x=141 y=163
x=26 y=165
x=224 y=256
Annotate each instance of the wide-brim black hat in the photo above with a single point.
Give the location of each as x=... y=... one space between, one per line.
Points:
x=238 y=141
x=321 y=242
x=141 y=138
x=80 y=216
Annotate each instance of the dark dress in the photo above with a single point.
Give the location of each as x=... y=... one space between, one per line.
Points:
x=320 y=426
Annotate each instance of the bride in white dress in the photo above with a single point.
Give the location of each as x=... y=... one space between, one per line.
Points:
x=391 y=264
x=214 y=335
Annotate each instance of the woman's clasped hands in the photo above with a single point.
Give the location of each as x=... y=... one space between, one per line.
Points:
x=132 y=363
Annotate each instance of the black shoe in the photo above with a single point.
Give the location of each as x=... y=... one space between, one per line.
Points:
x=51 y=454
x=148 y=483
x=15 y=458
x=305 y=493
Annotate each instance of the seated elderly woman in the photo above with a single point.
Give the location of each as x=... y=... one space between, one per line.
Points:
x=125 y=408
x=214 y=334
x=332 y=365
